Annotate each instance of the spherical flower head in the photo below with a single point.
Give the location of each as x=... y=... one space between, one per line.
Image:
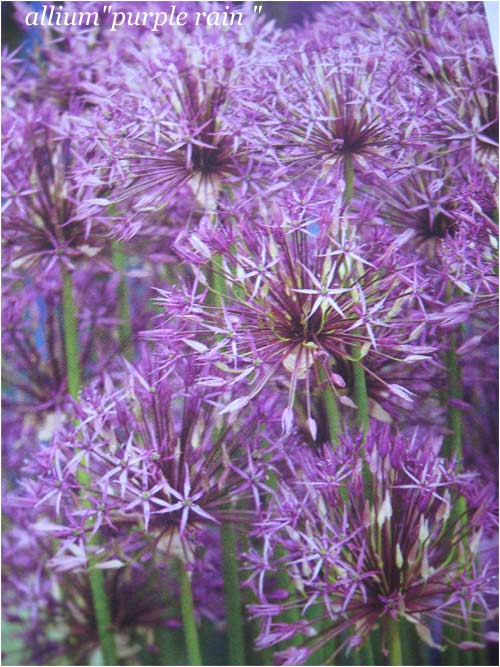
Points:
x=378 y=534
x=299 y=303
x=158 y=456
x=445 y=200
x=175 y=128
x=337 y=110
x=142 y=597
x=35 y=362
x=52 y=208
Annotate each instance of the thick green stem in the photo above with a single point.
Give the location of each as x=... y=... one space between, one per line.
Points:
x=124 y=328
x=217 y=282
x=100 y=602
x=453 y=442
x=394 y=641
x=162 y=642
x=348 y=178
x=170 y=647
x=330 y=406
x=366 y=653
x=71 y=347
x=232 y=597
x=361 y=396
x=102 y=617
x=188 y=619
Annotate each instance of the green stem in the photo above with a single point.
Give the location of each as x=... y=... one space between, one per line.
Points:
x=100 y=602
x=102 y=617
x=232 y=597
x=411 y=645
x=71 y=347
x=330 y=405
x=360 y=392
x=366 y=653
x=216 y=281
x=162 y=642
x=395 y=652
x=453 y=447
x=188 y=619
x=453 y=442
x=124 y=328
x=170 y=647
x=361 y=396
x=348 y=178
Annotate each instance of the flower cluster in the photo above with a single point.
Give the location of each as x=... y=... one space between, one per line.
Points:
x=250 y=332
x=375 y=536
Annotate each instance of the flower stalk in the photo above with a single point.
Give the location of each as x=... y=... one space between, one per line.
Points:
x=124 y=328
x=348 y=179
x=232 y=597
x=360 y=393
x=330 y=405
x=360 y=390
x=453 y=442
x=70 y=336
x=361 y=397
x=394 y=641
x=188 y=618
x=96 y=577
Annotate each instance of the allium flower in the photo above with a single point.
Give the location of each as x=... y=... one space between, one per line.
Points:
x=176 y=128
x=35 y=366
x=299 y=303
x=156 y=456
x=465 y=76
x=54 y=610
x=50 y=215
x=432 y=204
x=336 y=109
x=370 y=541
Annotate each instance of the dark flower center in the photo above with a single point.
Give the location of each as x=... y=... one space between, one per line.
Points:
x=205 y=159
x=441 y=226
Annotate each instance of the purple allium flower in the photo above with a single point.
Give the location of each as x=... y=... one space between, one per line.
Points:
x=155 y=455
x=176 y=126
x=54 y=610
x=35 y=366
x=298 y=303
x=50 y=214
x=333 y=109
x=371 y=539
